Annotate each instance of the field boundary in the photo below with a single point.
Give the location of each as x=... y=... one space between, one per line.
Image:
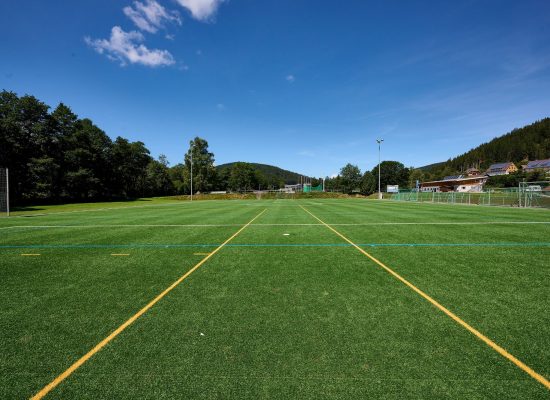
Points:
x=64 y=375
x=273 y=224
x=500 y=350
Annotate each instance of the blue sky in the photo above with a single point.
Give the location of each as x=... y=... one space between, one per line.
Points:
x=304 y=85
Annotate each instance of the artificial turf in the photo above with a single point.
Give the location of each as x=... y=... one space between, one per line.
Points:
x=287 y=309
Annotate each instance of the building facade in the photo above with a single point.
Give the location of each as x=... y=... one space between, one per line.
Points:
x=501 y=169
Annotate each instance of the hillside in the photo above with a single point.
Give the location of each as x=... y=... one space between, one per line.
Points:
x=271 y=172
x=531 y=142
x=432 y=167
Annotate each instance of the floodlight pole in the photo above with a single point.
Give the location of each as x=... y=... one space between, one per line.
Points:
x=192 y=144
x=379 y=141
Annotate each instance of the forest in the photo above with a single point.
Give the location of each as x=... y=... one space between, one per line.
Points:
x=532 y=142
x=54 y=156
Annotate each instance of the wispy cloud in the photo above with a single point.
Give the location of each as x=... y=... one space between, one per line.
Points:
x=150 y=16
x=126 y=47
x=290 y=78
x=202 y=10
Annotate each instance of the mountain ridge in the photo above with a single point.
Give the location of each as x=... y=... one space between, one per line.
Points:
x=270 y=171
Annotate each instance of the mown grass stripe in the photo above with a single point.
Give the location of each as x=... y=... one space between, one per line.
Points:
x=499 y=349
x=60 y=378
x=99 y=226
x=200 y=245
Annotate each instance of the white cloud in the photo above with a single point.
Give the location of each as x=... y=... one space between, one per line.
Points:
x=290 y=78
x=150 y=16
x=125 y=47
x=203 y=10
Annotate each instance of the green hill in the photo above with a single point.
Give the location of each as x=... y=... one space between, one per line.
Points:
x=531 y=142
x=269 y=171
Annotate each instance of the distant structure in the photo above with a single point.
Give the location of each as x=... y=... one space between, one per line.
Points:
x=501 y=169
x=472 y=172
x=456 y=183
x=543 y=165
x=291 y=188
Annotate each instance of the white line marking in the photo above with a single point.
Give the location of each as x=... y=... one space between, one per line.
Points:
x=281 y=224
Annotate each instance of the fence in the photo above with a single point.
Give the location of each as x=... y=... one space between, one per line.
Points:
x=527 y=194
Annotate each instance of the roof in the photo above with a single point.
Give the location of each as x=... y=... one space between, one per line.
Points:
x=499 y=165
x=538 y=164
x=459 y=179
x=453 y=177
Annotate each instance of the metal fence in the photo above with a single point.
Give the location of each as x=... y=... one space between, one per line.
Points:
x=527 y=194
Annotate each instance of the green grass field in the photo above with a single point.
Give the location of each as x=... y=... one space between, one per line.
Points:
x=286 y=309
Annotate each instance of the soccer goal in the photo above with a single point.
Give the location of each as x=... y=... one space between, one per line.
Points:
x=4 y=191
x=534 y=194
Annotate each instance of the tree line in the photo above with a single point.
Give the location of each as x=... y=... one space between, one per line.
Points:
x=55 y=156
x=532 y=142
x=351 y=180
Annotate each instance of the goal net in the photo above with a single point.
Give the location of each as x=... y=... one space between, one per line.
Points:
x=4 y=191
x=534 y=194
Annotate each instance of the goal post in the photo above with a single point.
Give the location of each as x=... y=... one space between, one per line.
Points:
x=534 y=194
x=4 y=191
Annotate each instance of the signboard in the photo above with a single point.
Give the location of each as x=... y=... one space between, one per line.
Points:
x=392 y=189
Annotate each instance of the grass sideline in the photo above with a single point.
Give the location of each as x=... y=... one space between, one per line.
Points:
x=286 y=309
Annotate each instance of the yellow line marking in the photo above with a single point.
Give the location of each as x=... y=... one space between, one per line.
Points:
x=30 y=255
x=200 y=254
x=535 y=375
x=120 y=254
x=50 y=386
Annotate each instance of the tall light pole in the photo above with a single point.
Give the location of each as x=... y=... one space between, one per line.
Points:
x=192 y=145
x=379 y=141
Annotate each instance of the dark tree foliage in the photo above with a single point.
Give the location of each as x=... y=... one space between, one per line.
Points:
x=391 y=173
x=368 y=183
x=243 y=177
x=351 y=178
x=531 y=142
x=271 y=177
x=58 y=157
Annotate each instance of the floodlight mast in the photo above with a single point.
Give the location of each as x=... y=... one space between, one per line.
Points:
x=379 y=141
x=192 y=144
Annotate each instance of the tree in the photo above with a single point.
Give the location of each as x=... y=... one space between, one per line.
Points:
x=368 y=183
x=176 y=174
x=24 y=136
x=392 y=173
x=204 y=173
x=242 y=177
x=87 y=157
x=158 y=178
x=130 y=160
x=416 y=174
x=351 y=178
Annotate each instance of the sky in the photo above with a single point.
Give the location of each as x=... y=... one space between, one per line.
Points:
x=304 y=85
